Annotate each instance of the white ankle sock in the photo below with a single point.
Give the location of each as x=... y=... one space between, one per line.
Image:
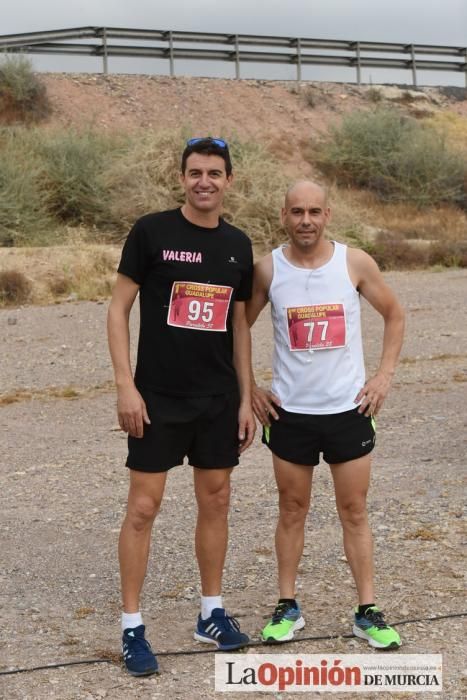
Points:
x=208 y=603
x=131 y=620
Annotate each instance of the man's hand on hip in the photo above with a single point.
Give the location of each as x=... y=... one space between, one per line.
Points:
x=264 y=405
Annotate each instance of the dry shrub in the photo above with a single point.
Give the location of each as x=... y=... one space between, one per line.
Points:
x=310 y=97
x=74 y=165
x=429 y=224
x=395 y=157
x=392 y=252
x=15 y=288
x=145 y=179
x=448 y=253
x=23 y=97
x=254 y=201
x=24 y=215
x=453 y=126
x=355 y=206
x=60 y=285
x=373 y=95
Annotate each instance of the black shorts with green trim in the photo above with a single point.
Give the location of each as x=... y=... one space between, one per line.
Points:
x=204 y=429
x=301 y=438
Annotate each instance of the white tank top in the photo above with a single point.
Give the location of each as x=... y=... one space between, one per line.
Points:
x=318 y=365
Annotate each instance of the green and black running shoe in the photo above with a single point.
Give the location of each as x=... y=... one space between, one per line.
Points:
x=372 y=627
x=285 y=621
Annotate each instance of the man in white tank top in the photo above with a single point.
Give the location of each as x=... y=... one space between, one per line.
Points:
x=321 y=401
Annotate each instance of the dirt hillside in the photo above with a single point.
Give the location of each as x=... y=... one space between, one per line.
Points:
x=285 y=114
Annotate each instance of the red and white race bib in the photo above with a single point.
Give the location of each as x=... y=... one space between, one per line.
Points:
x=202 y=307
x=316 y=327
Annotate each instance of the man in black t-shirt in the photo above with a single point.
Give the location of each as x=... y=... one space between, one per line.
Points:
x=191 y=394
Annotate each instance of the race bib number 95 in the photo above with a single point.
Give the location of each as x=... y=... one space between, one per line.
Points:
x=202 y=307
x=316 y=327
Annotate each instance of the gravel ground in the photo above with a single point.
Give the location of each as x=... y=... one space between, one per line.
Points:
x=63 y=492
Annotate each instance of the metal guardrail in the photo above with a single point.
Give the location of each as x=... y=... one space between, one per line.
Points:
x=238 y=49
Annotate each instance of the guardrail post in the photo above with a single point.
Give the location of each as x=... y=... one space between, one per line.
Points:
x=171 y=55
x=105 y=60
x=465 y=68
x=414 y=66
x=237 y=58
x=299 y=61
x=359 y=65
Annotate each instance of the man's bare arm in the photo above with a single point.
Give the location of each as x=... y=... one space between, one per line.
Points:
x=264 y=402
x=131 y=408
x=371 y=284
x=242 y=364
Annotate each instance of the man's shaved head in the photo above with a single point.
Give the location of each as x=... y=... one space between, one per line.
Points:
x=307 y=188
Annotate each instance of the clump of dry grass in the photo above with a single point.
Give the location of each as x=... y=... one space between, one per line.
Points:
x=79 y=271
x=53 y=392
x=423 y=533
x=452 y=126
x=85 y=274
x=400 y=235
x=15 y=288
x=83 y=612
x=392 y=252
x=448 y=253
x=445 y=222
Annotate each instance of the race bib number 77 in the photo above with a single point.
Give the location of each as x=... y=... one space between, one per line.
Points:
x=316 y=327
x=202 y=307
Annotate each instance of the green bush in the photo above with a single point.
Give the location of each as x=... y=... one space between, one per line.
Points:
x=24 y=215
x=23 y=98
x=74 y=165
x=394 y=156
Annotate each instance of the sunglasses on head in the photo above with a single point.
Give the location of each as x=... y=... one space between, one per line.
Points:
x=219 y=142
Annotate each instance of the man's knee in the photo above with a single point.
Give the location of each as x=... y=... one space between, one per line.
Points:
x=142 y=510
x=293 y=508
x=214 y=501
x=353 y=512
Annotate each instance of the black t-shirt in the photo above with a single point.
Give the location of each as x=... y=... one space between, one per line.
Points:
x=190 y=278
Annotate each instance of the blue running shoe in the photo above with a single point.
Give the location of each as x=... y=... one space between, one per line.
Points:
x=137 y=653
x=221 y=630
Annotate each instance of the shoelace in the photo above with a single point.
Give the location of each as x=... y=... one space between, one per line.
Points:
x=377 y=618
x=138 y=645
x=228 y=624
x=279 y=612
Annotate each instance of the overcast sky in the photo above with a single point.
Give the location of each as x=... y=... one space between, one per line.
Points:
x=413 y=21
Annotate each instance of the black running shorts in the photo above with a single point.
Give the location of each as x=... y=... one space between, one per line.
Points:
x=340 y=437
x=205 y=429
